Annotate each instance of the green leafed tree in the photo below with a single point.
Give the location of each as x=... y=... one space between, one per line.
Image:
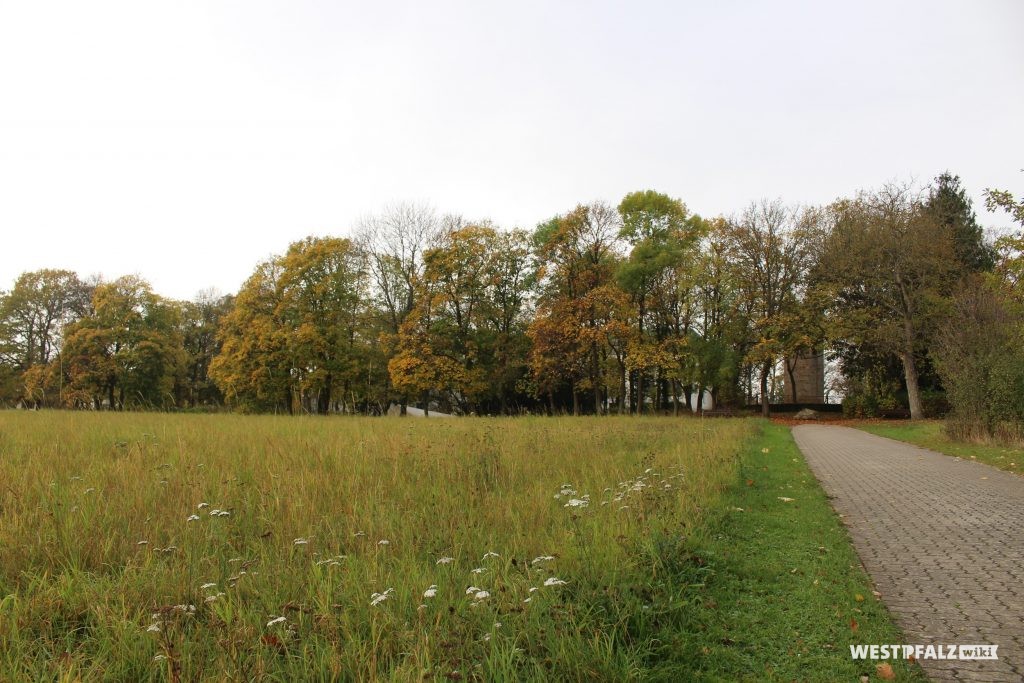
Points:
x=888 y=264
x=661 y=234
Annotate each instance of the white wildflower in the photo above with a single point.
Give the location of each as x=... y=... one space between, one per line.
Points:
x=359 y=533
x=142 y=543
x=275 y=621
x=481 y=595
x=377 y=598
x=223 y=513
x=430 y=592
x=577 y=503
x=472 y=589
x=383 y=541
x=554 y=581
x=479 y=570
x=786 y=500
x=193 y=518
x=490 y=553
x=300 y=541
x=202 y=505
x=159 y=658
x=154 y=628
x=207 y=586
x=89 y=490
x=527 y=600
x=214 y=512
x=533 y=589
x=542 y=558
x=445 y=560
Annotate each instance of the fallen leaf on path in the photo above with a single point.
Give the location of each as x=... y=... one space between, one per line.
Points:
x=885 y=672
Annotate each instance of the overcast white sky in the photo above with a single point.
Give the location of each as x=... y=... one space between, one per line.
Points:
x=185 y=141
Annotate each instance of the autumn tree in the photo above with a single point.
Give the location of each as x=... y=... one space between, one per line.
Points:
x=464 y=339
x=127 y=351
x=577 y=254
x=253 y=368
x=296 y=331
x=1010 y=248
x=769 y=259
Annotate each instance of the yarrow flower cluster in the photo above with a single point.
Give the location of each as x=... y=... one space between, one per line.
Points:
x=377 y=598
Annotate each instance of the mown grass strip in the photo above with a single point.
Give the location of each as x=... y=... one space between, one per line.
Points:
x=931 y=435
x=785 y=594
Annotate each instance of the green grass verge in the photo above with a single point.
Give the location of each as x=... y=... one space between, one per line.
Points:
x=784 y=594
x=930 y=434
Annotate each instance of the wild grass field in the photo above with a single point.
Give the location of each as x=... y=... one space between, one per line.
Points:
x=175 y=547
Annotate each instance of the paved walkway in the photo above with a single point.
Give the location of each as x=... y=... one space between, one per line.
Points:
x=943 y=540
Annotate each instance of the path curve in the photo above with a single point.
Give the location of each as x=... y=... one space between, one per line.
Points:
x=942 y=538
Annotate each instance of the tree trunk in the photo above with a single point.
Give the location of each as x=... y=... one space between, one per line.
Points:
x=323 y=404
x=575 y=401
x=791 y=373
x=910 y=371
x=426 y=404
x=639 y=393
x=913 y=390
x=622 y=389
x=765 y=410
x=675 y=398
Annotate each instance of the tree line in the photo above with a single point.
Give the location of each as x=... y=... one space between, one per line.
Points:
x=632 y=308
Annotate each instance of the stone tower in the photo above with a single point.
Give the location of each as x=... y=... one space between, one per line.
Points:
x=808 y=369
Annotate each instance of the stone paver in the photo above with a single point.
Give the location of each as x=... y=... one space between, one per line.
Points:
x=942 y=538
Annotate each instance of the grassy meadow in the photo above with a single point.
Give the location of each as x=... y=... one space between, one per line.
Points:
x=201 y=547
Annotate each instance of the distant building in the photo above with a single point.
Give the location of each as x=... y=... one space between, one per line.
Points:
x=804 y=378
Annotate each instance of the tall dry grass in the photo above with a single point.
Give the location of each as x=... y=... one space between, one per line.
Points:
x=149 y=546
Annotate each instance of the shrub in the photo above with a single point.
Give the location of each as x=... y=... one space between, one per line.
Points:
x=979 y=355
